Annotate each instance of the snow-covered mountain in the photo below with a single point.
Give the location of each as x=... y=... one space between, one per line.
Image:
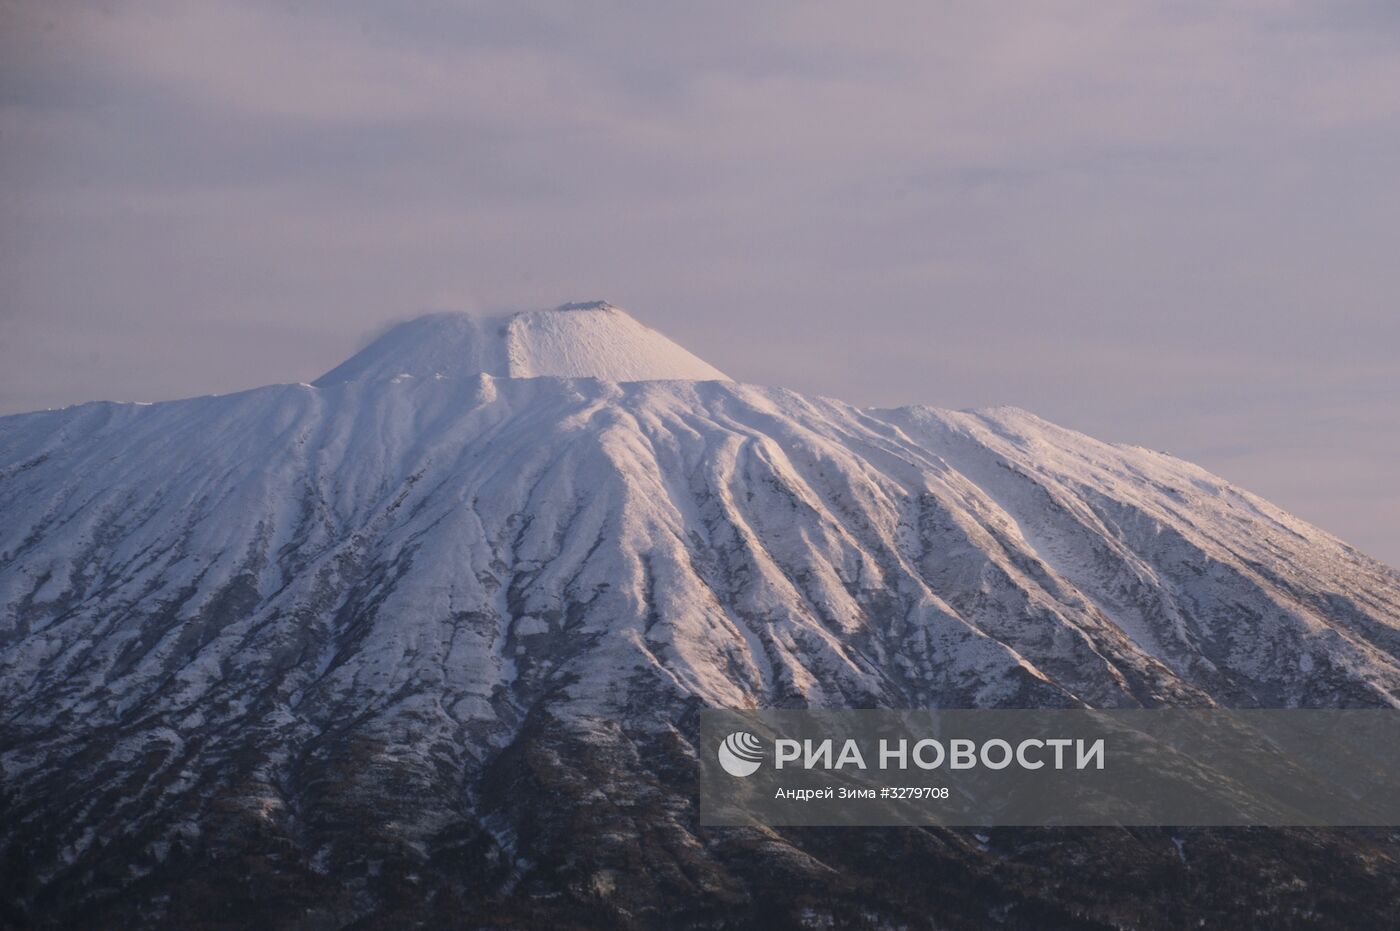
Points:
x=458 y=600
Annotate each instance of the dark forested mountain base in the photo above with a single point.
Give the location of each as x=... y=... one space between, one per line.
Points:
x=578 y=834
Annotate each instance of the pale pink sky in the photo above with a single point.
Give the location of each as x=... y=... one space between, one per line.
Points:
x=1164 y=223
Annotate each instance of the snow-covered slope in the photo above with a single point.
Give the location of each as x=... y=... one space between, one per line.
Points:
x=307 y=604
x=585 y=340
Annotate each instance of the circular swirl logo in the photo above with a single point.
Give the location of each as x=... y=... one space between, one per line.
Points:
x=741 y=754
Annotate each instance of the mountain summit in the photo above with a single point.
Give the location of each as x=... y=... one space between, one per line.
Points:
x=579 y=340
x=433 y=646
